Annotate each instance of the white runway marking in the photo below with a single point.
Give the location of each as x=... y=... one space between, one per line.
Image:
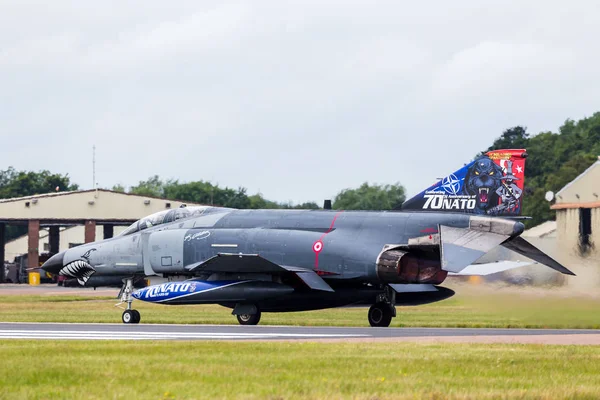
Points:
x=108 y=335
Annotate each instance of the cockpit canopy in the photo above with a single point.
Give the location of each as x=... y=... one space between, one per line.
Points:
x=164 y=217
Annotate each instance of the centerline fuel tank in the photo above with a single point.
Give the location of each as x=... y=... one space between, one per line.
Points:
x=200 y=292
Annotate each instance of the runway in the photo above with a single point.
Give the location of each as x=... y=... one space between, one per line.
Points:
x=61 y=331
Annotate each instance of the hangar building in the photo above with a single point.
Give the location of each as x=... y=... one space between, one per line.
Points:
x=578 y=213
x=70 y=236
x=93 y=209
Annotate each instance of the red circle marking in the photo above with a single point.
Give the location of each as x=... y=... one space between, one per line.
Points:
x=318 y=246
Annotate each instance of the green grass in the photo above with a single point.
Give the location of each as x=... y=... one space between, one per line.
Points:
x=281 y=370
x=481 y=307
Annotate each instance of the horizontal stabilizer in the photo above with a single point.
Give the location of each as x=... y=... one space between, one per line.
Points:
x=253 y=263
x=490 y=268
x=460 y=247
x=523 y=247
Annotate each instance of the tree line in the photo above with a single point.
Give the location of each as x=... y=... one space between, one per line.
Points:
x=555 y=158
x=15 y=183
x=366 y=197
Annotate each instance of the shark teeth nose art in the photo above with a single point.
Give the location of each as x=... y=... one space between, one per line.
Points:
x=78 y=269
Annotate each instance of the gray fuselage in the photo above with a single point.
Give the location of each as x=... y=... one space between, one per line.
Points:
x=343 y=244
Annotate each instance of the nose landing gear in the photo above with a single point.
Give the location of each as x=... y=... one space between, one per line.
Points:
x=129 y=316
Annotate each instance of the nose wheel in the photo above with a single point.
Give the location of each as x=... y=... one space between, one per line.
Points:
x=129 y=316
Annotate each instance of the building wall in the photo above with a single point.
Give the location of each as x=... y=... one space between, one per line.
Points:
x=582 y=192
x=68 y=237
x=567 y=221
x=595 y=238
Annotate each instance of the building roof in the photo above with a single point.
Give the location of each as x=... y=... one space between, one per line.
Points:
x=581 y=192
x=563 y=206
x=542 y=230
x=76 y=206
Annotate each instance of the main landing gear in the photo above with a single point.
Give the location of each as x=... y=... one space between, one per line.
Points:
x=129 y=316
x=249 y=319
x=247 y=314
x=384 y=309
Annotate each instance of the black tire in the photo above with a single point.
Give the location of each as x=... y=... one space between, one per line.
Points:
x=249 y=319
x=380 y=315
x=128 y=317
x=137 y=316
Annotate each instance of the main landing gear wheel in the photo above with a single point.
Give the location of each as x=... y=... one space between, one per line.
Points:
x=131 y=316
x=380 y=315
x=248 y=319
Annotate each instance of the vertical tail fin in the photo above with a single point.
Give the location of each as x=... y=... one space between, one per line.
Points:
x=491 y=184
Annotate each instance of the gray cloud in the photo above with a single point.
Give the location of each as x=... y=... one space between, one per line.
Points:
x=295 y=99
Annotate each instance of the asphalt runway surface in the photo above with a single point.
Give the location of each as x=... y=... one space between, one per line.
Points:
x=62 y=331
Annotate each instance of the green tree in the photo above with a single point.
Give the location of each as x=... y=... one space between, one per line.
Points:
x=259 y=202
x=206 y=193
x=370 y=197
x=153 y=187
x=308 y=205
x=512 y=138
x=15 y=183
x=555 y=159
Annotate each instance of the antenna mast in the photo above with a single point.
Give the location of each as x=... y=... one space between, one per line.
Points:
x=94 y=166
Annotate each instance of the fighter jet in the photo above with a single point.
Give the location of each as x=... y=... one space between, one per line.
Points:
x=255 y=261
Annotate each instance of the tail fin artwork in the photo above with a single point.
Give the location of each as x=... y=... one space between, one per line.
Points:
x=492 y=184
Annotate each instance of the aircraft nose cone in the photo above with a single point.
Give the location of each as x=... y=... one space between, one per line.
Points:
x=54 y=263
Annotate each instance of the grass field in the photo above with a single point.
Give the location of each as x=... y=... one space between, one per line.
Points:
x=479 y=307
x=281 y=370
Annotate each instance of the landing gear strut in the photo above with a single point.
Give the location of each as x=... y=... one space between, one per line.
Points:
x=384 y=309
x=129 y=316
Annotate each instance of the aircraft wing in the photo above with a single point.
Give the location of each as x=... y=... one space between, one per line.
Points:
x=253 y=263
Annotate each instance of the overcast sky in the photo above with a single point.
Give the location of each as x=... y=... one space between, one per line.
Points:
x=295 y=99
